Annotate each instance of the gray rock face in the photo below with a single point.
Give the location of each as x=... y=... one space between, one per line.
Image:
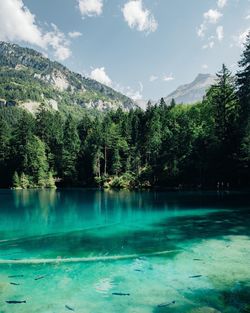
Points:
x=193 y=92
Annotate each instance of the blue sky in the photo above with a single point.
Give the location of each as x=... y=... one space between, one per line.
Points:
x=144 y=48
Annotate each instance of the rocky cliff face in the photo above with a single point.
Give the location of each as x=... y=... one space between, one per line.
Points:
x=26 y=76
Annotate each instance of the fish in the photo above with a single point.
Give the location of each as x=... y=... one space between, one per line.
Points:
x=15 y=302
x=15 y=284
x=40 y=277
x=197 y=259
x=120 y=294
x=195 y=276
x=69 y=308
x=162 y=305
x=14 y=276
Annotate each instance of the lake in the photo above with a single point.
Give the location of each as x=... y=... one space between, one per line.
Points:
x=133 y=252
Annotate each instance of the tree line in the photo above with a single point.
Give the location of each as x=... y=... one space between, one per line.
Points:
x=166 y=145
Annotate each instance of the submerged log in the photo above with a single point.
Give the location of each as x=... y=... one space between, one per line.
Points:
x=88 y=259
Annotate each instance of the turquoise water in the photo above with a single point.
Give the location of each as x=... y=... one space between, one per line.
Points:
x=140 y=252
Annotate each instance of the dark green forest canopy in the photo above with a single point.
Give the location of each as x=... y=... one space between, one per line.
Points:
x=166 y=145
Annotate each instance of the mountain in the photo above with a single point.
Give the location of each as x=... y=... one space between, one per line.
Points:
x=192 y=92
x=29 y=79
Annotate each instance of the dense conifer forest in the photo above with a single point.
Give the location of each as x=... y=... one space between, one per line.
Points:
x=175 y=145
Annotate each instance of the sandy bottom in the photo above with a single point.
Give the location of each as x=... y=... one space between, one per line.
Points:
x=208 y=276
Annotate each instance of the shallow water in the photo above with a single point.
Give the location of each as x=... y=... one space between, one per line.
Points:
x=82 y=249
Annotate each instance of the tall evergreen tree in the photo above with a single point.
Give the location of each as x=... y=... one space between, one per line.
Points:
x=70 y=152
x=225 y=105
x=225 y=111
x=35 y=162
x=243 y=82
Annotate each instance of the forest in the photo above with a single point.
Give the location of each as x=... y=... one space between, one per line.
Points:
x=171 y=146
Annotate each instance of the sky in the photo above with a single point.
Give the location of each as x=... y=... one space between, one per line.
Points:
x=142 y=48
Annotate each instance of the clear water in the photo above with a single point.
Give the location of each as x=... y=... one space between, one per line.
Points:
x=187 y=251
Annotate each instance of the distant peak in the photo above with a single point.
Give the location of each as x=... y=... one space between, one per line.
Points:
x=202 y=76
x=192 y=92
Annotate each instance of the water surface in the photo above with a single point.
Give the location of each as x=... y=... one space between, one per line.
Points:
x=188 y=251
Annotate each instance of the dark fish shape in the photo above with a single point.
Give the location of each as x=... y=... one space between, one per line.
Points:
x=15 y=276
x=15 y=284
x=120 y=294
x=162 y=305
x=69 y=308
x=197 y=259
x=195 y=276
x=15 y=302
x=40 y=277
x=138 y=270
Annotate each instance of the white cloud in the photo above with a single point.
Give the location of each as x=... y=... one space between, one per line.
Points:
x=139 y=17
x=101 y=76
x=168 y=78
x=205 y=66
x=220 y=32
x=209 y=45
x=221 y=3
x=58 y=42
x=131 y=93
x=212 y=16
x=17 y=23
x=134 y=94
x=74 y=34
x=153 y=78
x=201 y=30
x=209 y=17
x=90 y=7
x=247 y=17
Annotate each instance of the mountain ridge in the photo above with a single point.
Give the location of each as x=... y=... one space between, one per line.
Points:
x=53 y=83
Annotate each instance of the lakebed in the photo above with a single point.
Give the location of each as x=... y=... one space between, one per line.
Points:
x=95 y=251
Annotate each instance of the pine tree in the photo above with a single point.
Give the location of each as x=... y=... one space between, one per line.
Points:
x=172 y=103
x=50 y=181
x=116 y=162
x=243 y=82
x=16 y=181
x=71 y=148
x=24 y=181
x=225 y=112
x=162 y=103
x=5 y=136
x=36 y=164
x=225 y=106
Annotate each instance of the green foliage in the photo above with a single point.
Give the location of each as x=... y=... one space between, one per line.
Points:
x=24 y=181
x=16 y=181
x=70 y=151
x=243 y=82
x=166 y=145
x=27 y=75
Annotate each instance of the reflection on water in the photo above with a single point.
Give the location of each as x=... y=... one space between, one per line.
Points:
x=209 y=271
